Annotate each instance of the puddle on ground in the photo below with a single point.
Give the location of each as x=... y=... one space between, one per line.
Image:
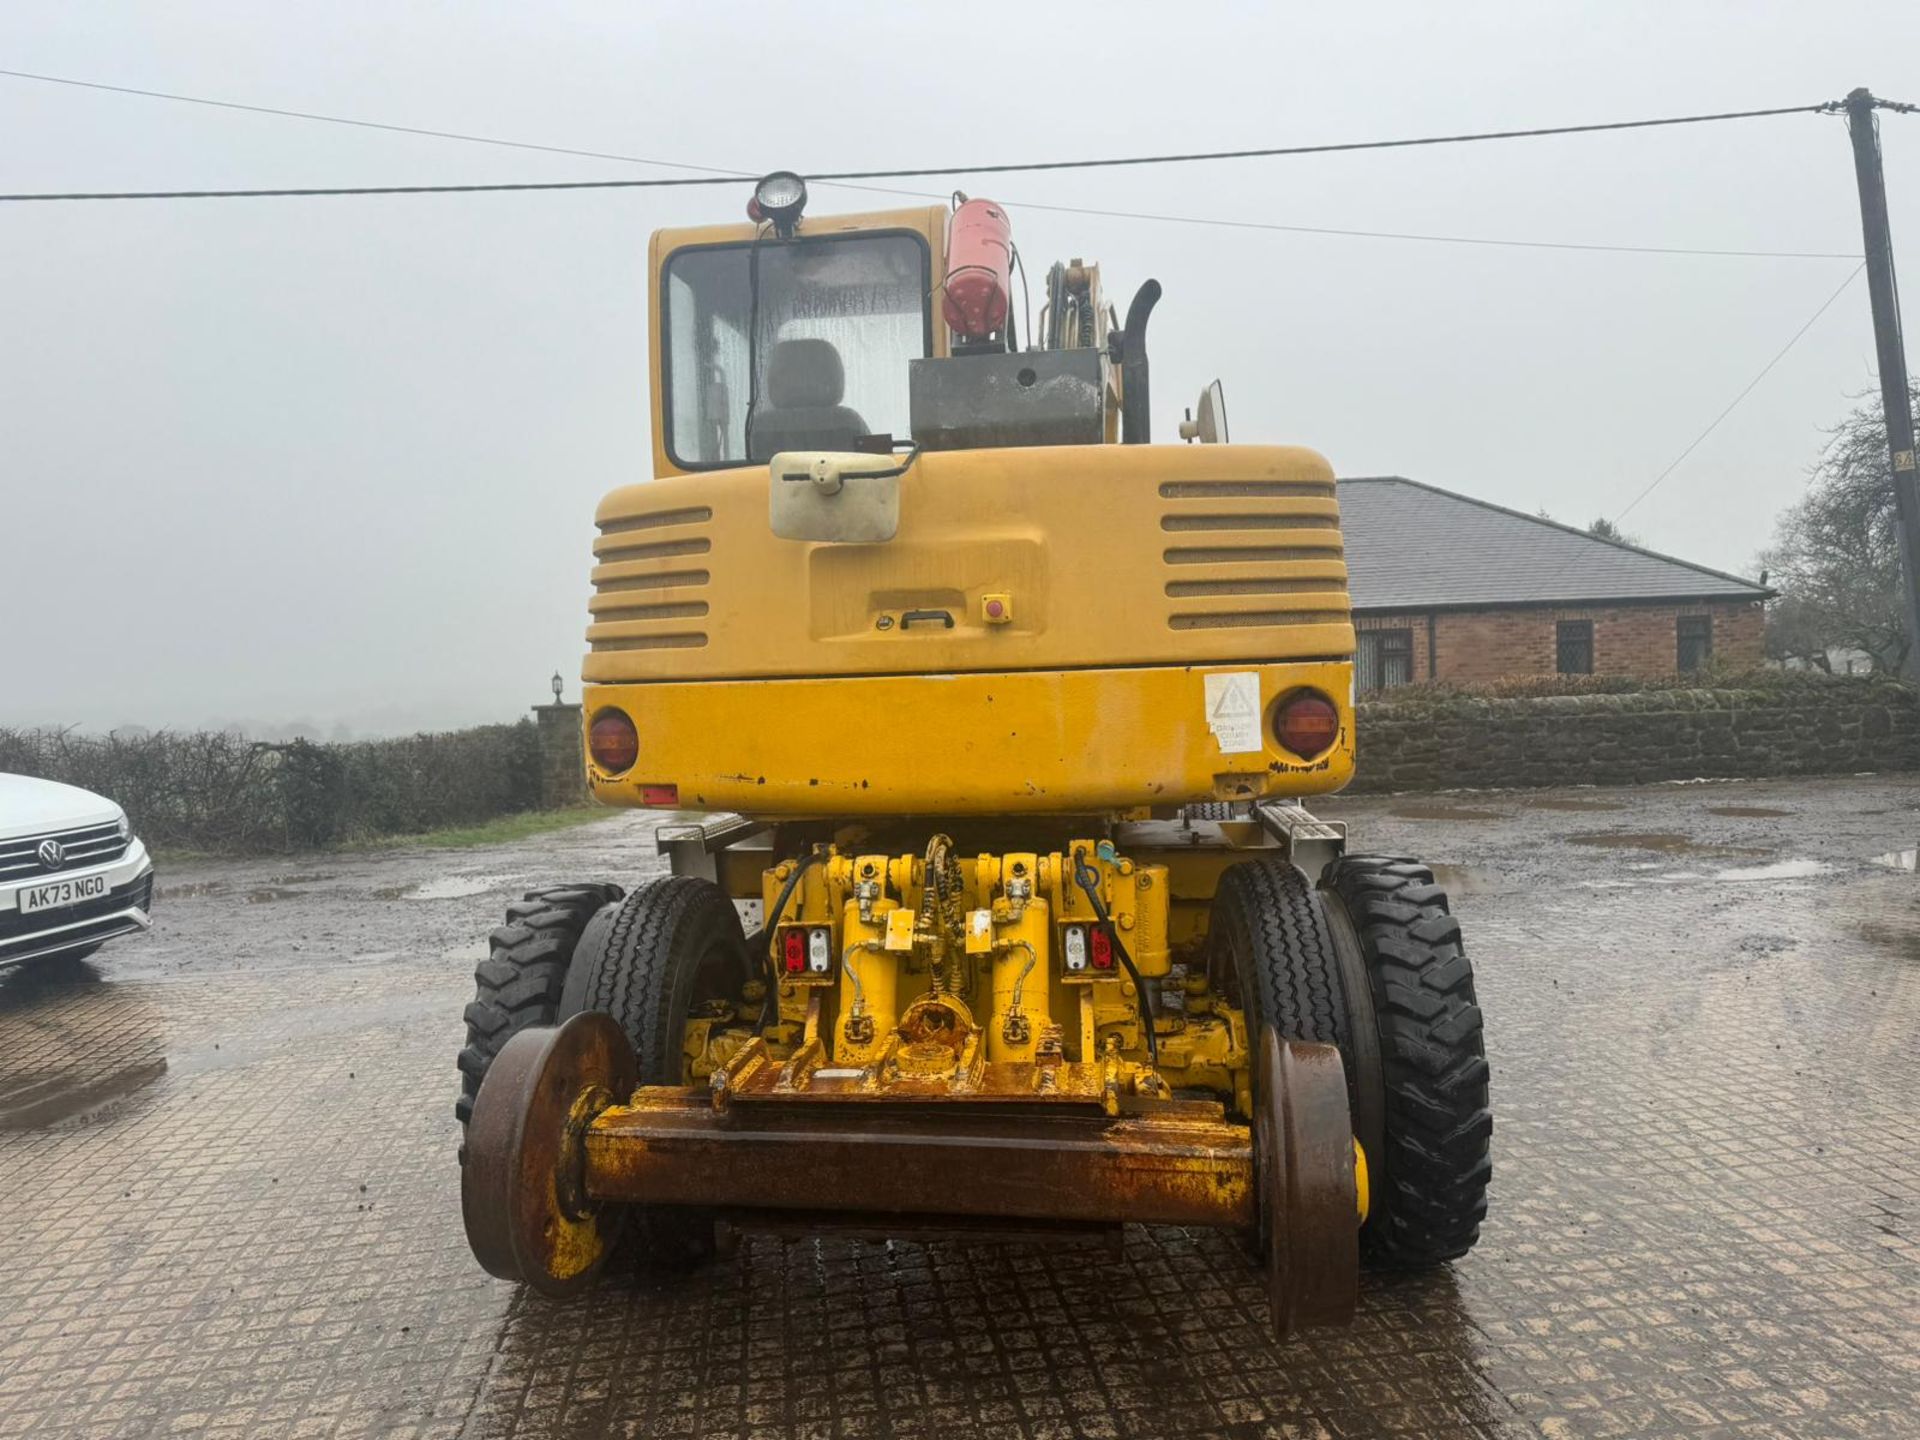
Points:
x=53 y=1016
x=1907 y=860
x=1892 y=937
x=447 y=887
x=1572 y=802
x=37 y=1102
x=1779 y=870
x=1661 y=843
x=270 y=892
x=1443 y=812
x=1638 y=840
x=188 y=892
x=1747 y=812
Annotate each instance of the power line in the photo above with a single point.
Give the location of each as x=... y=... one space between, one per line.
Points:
x=1765 y=370
x=1341 y=147
x=472 y=139
x=315 y=190
x=1433 y=239
x=371 y=124
x=724 y=178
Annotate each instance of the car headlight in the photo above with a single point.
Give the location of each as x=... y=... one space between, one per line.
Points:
x=123 y=826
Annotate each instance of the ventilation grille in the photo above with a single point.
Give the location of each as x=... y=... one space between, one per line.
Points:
x=1253 y=554
x=646 y=566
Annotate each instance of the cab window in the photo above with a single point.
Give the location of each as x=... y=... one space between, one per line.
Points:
x=834 y=322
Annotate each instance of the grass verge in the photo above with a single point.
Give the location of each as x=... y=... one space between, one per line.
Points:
x=523 y=826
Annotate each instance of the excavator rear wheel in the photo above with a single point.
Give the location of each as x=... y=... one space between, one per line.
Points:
x=518 y=985
x=645 y=962
x=1422 y=1113
x=1269 y=951
x=1372 y=963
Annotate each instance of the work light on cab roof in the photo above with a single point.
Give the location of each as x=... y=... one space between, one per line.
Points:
x=778 y=200
x=991 y=720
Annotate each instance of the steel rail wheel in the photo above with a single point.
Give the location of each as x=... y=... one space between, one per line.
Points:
x=1309 y=1202
x=522 y=1191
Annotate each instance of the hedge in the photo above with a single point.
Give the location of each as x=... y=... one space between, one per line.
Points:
x=219 y=791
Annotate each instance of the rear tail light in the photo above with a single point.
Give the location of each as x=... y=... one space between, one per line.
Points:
x=1100 y=947
x=793 y=951
x=1307 y=723
x=613 y=742
x=819 y=951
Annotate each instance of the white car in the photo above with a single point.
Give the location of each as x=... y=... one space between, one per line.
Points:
x=72 y=875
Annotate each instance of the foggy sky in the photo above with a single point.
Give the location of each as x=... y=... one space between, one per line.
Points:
x=336 y=460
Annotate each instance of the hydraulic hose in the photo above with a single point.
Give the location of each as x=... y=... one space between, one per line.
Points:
x=771 y=930
x=1088 y=881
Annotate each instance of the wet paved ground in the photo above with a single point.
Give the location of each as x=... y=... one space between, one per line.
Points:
x=228 y=1203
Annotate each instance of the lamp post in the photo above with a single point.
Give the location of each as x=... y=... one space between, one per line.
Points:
x=558 y=686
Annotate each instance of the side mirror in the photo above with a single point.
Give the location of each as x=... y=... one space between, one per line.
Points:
x=1209 y=427
x=840 y=497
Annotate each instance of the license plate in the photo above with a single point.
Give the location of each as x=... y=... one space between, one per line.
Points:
x=62 y=892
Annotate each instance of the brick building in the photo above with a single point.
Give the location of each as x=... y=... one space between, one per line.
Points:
x=1451 y=588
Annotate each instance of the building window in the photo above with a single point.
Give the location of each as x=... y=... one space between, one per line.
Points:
x=1573 y=647
x=1694 y=636
x=1385 y=658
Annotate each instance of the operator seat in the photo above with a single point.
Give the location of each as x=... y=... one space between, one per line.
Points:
x=801 y=409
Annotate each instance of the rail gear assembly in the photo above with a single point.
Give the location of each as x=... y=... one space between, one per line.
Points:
x=992 y=721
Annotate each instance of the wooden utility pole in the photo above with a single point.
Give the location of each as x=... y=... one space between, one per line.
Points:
x=1894 y=393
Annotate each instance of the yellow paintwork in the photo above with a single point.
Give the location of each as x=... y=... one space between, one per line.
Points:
x=1110 y=554
x=927 y=221
x=787 y=679
x=1072 y=741
x=1011 y=980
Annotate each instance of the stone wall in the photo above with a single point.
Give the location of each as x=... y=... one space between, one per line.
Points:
x=1425 y=740
x=1474 y=647
x=563 y=756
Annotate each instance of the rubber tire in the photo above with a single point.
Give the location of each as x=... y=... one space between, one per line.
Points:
x=639 y=962
x=1269 y=948
x=1429 y=1161
x=518 y=985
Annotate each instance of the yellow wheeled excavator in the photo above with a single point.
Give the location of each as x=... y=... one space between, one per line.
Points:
x=980 y=727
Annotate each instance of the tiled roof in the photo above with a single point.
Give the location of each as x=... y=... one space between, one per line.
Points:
x=1413 y=547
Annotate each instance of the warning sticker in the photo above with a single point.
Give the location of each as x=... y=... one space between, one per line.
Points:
x=1233 y=711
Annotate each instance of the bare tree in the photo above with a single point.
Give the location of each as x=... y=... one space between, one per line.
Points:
x=1835 y=558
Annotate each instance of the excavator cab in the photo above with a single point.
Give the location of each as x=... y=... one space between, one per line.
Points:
x=980 y=730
